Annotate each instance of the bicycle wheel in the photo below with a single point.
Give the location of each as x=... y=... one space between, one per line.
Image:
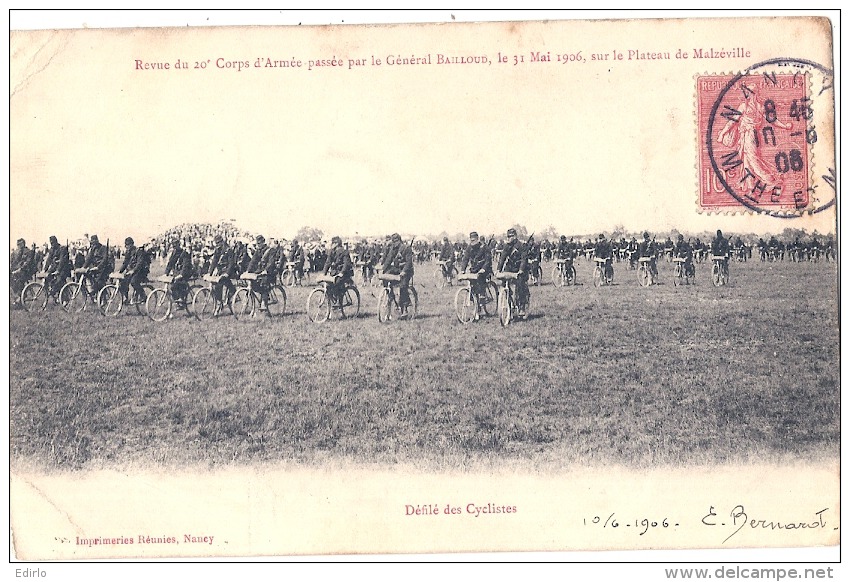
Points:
x=439 y=278
x=597 y=276
x=289 y=279
x=570 y=275
x=504 y=307
x=413 y=308
x=276 y=301
x=110 y=301
x=140 y=300
x=318 y=306
x=386 y=305
x=466 y=305
x=677 y=275
x=242 y=303
x=71 y=297
x=350 y=305
x=490 y=300
x=644 y=276
x=204 y=305
x=34 y=297
x=159 y=305
x=558 y=278
x=716 y=277
x=189 y=296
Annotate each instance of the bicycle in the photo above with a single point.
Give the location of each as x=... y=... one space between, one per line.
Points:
x=719 y=271
x=321 y=302
x=36 y=294
x=646 y=274
x=366 y=271
x=388 y=307
x=290 y=276
x=111 y=301
x=210 y=301
x=507 y=304
x=681 y=274
x=76 y=294
x=245 y=301
x=469 y=304
x=161 y=301
x=603 y=272
x=563 y=273
x=444 y=276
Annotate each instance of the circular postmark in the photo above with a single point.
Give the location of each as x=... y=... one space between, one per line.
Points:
x=770 y=138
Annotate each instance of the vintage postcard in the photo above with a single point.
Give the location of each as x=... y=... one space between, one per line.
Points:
x=439 y=288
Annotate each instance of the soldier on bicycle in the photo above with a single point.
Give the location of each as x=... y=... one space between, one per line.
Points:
x=565 y=249
x=338 y=265
x=447 y=254
x=648 y=250
x=223 y=263
x=22 y=266
x=263 y=261
x=398 y=260
x=136 y=267
x=100 y=259
x=180 y=267
x=477 y=259
x=683 y=250
x=57 y=265
x=720 y=248
x=602 y=250
x=514 y=259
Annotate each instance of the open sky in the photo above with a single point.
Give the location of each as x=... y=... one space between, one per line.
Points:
x=100 y=145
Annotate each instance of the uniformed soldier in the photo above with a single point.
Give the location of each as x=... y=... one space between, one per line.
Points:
x=649 y=250
x=263 y=261
x=514 y=259
x=683 y=250
x=477 y=259
x=126 y=267
x=602 y=250
x=447 y=254
x=564 y=250
x=399 y=261
x=296 y=255
x=180 y=267
x=99 y=258
x=720 y=247
x=223 y=262
x=22 y=267
x=338 y=265
x=57 y=265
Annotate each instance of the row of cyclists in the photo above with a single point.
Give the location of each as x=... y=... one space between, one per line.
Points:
x=229 y=261
x=226 y=263
x=624 y=250
x=603 y=251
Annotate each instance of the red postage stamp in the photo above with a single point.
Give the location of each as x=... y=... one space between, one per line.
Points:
x=755 y=142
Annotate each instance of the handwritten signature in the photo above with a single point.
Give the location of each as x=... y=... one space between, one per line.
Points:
x=739 y=519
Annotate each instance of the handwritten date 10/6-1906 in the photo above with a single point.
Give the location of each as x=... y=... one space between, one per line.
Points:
x=641 y=525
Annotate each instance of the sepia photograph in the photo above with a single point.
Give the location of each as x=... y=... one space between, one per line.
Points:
x=460 y=286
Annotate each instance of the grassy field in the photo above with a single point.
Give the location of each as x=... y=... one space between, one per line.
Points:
x=626 y=375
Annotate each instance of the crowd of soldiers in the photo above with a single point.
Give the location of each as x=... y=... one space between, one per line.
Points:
x=193 y=250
